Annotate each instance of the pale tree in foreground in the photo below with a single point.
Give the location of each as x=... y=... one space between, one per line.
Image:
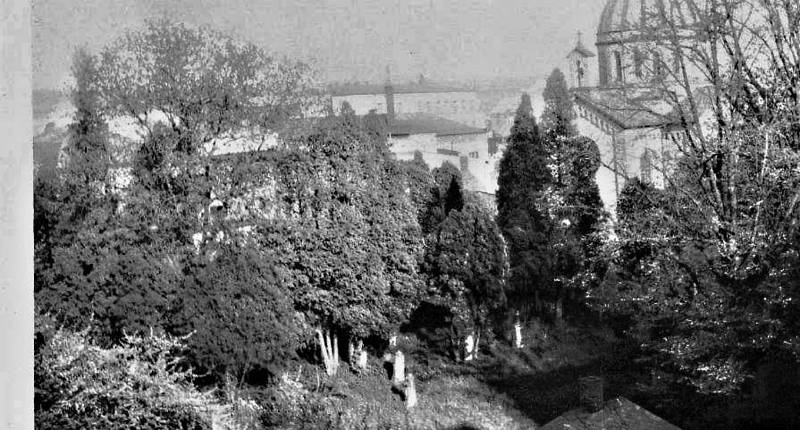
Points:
x=720 y=245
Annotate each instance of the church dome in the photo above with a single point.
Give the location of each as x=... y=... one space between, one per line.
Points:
x=630 y=20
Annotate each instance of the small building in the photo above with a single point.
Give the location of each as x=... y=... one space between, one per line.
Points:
x=616 y=414
x=451 y=102
x=441 y=140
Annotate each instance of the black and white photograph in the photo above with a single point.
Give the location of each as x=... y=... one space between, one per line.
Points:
x=404 y=214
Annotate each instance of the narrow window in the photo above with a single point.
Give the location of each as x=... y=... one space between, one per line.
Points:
x=646 y=166
x=676 y=61
x=658 y=66
x=618 y=64
x=637 y=63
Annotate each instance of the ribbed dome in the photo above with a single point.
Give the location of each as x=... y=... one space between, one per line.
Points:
x=624 y=19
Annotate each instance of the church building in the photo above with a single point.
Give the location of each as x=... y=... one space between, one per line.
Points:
x=619 y=92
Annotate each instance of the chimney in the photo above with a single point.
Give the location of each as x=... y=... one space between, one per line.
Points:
x=389 y=93
x=591 y=392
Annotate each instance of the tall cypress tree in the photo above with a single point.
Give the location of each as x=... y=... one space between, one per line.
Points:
x=454 y=199
x=574 y=160
x=523 y=177
x=88 y=132
x=558 y=110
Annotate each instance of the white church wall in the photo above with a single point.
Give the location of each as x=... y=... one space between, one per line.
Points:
x=637 y=142
x=605 y=177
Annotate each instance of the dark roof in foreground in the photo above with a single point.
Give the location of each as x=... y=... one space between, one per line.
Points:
x=628 y=108
x=617 y=414
x=423 y=123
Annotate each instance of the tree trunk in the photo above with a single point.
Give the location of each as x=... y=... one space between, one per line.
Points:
x=518 y=332
x=330 y=352
x=362 y=356
x=560 y=310
x=455 y=344
x=335 y=354
x=351 y=352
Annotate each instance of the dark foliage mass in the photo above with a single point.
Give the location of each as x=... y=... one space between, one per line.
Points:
x=549 y=206
x=706 y=266
x=523 y=177
x=243 y=322
x=249 y=255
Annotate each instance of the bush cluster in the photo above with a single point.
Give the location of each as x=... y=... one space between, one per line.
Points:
x=139 y=384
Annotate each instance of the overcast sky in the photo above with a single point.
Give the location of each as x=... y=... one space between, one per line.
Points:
x=344 y=39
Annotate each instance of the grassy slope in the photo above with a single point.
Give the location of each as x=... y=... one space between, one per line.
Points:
x=505 y=389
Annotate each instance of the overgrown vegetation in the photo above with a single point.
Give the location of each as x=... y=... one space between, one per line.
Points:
x=233 y=271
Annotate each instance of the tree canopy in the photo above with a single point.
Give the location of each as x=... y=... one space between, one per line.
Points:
x=205 y=82
x=717 y=247
x=523 y=177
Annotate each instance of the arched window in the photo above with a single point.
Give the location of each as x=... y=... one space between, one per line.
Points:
x=676 y=61
x=638 y=60
x=658 y=67
x=618 y=65
x=646 y=167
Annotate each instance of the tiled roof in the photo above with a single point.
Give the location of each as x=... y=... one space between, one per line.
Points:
x=423 y=123
x=582 y=50
x=617 y=414
x=627 y=108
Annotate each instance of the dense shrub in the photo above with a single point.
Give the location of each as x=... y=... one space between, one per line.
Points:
x=244 y=323
x=136 y=385
x=106 y=273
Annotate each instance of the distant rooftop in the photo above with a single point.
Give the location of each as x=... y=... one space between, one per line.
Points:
x=424 y=123
x=421 y=86
x=617 y=414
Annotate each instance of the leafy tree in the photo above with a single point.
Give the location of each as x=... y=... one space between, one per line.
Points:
x=716 y=251
x=243 y=321
x=377 y=127
x=350 y=241
x=454 y=199
x=130 y=264
x=558 y=110
x=444 y=195
x=205 y=82
x=466 y=265
x=88 y=133
x=579 y=214
x=573 y=200
x=422 y=189
x=61 y=203
x=523 y=177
